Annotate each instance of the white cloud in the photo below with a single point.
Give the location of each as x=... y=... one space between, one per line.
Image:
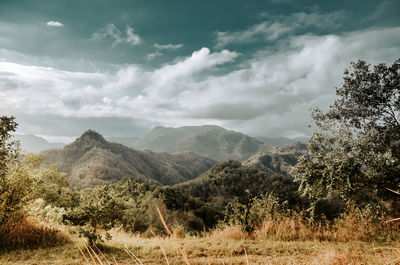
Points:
x=153 y=55
x=262 y=31
x=111 y=31
x=197 y=62
x=269 y=94
x=274 y=27
x=131 y=37
x=169 y=46
x=54 y=24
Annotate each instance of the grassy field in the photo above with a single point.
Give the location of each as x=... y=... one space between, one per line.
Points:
x=211 y=249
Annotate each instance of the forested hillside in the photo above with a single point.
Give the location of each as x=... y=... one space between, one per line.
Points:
x=91 y=160
x=230 y=180
x=279 y=159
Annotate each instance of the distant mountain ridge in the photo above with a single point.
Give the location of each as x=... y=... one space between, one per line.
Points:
x=281 y=141
x=35 y=144
x=129 y=141
x=209 y=140
x=91 y=160
x=279 y=159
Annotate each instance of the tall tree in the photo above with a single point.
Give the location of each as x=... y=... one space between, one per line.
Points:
x=14 y=179
x=354 y=151
x=8 y=148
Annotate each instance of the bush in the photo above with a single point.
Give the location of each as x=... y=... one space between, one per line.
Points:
x=250 y=215
x=39 y=209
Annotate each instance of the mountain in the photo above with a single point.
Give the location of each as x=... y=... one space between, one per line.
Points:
x=280 y=141
x=35 y=144
x=91 y=160
x=212 y=141
x=127 y=141
x=279 y=159
x=264 y=172
x=230 y=179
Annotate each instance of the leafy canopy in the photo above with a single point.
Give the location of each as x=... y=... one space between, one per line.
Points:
x=14 y=177
x=354 y=151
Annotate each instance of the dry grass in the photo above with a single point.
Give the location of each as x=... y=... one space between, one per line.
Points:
x=229 y=232
x=351 y=227
x=28 y=233
x=215 y=251
x=284 y=228
x=278 y=241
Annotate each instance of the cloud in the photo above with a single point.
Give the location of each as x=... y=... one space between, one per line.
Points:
x=262 y=31
x=131 y=37
x=268 y=94
x=153 y=55
x=386 y=9
x=199 y=60
x=54 y=24
x=71 y=127
x=111 y=31
x=169 y=46
x=282 y=86
x=275 y=27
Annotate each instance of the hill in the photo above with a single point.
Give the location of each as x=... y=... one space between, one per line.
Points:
x=278 y=159
x=230 y=179
x=91 y=160
x=265 y=172
x=35 y=144
x=281 y=141
x=212 y=141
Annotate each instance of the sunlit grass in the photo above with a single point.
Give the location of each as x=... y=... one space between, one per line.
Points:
x=274 y=243
x=219 y=251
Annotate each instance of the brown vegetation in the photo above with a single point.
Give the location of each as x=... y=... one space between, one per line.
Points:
x=27 y=233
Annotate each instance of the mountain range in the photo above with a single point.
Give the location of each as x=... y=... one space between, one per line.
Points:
x=129 y=141
x=279 y=159
x=35 y=144
x=91 y=160
x=212 y=141
x=280 y=141
x=166 y=155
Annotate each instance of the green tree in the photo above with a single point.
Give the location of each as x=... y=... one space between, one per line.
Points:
x=9 y=149
x=49 y=183
x=354 y=151
x=96 y=209
x=14 y=178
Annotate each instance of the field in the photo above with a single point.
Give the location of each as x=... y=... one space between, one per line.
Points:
x=210 y=249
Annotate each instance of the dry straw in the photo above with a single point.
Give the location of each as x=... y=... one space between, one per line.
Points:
x=181 y=250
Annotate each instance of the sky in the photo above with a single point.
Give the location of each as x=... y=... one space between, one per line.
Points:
x=122 y=67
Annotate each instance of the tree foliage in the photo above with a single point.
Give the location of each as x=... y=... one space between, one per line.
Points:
x=230 y=179
x=14 y=178
x=354 y=151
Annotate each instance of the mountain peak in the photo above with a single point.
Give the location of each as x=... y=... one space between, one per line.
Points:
x=92 y=135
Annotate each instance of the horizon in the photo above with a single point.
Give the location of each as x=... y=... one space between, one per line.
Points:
x=255 y=68
x=70 y=139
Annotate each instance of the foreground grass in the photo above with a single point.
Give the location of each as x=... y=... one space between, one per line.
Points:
x=213 y=250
